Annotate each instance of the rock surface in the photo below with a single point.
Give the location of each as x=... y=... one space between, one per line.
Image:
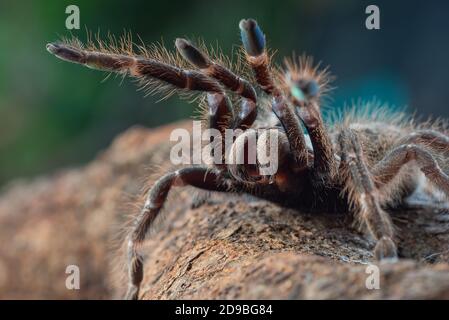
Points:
x=227 y=247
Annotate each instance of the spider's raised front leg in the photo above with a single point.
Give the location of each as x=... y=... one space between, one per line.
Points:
x=242 y=87
x=363 y=195
x=324 y=162
x=136 y=66
x=253 y=41
x=220 y=112
x=304 y=85
x=200 y=177
x=324 y=165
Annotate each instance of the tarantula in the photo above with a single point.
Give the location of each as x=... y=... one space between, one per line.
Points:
x=363 y=164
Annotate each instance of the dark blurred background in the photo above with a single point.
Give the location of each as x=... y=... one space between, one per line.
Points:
x=55 y=114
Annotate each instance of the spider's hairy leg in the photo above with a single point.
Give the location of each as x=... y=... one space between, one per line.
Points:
x=431 y=140
x=293 y=129
x=220 y=117
x=247 y=115
x=324 y=163
x=200 y=177
x=389 y=167
x=436 y=141
x=200 y=60
x=242 y=87
x=364 y=196
x=139 y=67
x=303 y=85
x=253 y=41
x=220 y=110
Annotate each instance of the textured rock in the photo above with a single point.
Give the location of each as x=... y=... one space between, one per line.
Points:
x=227 y=247
x=73 y=217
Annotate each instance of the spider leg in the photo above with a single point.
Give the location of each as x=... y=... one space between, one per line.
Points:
x=324 y=164
x=220 y=109
x=364 y=196
x=435 y=142
x=432 y=139
x=214 y=70
x=200 y=177
x=135 y=66
x=220 y=117
x=388 y=168
x=254 y=43
x=248 y=110
x=303 y=84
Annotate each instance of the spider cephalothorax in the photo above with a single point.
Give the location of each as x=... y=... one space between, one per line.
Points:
x=361 y=163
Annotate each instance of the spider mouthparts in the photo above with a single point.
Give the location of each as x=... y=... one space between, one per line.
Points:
x=253 y=38
x=191 y=53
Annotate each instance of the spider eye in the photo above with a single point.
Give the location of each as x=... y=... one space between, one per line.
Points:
x=253 y=38
x=311 y=88
x=297 y=93
x=304 y=89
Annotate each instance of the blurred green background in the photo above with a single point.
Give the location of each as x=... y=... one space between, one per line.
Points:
x=55 y=114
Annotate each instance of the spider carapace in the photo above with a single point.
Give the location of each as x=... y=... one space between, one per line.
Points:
x=362 y=163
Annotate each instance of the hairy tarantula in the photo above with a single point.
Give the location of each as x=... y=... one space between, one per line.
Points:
x=362 y=164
